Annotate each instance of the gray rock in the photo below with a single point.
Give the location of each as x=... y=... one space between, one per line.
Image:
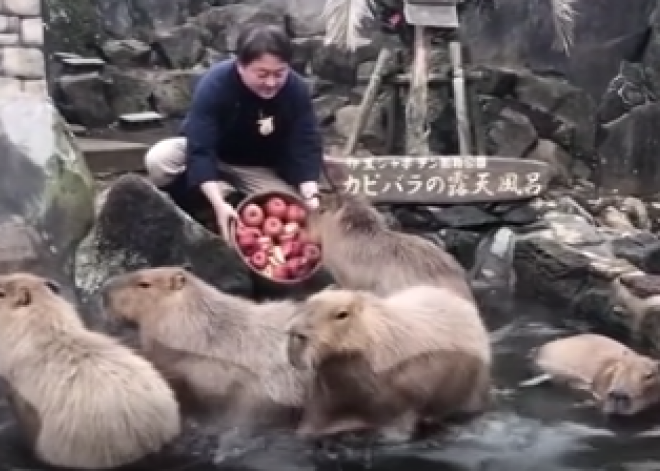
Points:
x=628 y=89
x=641 y=249
x=373 y=135
x=172 y=90
x=629 y=163
x=509 y=132
x=131 y=91
x=305 y=17
x=180 y=47
x=85 y=97
x=46 y=191
x=571 y=108
x=126 y=52
x=138 y=226
x=223 y=22
x=557 y=158
x=520 y=35
x=139 y=19
x=326 y=107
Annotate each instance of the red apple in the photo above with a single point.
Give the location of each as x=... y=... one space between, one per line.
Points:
x=276 y=207
x=259 y=260
x=291 y=228
x=265 y=243
x=296 y=213
x=246 y=243
x=294 y=264
x=243 y=230
x=312 y=252
x=252 y=215
x=286 y=237
x=280 y=272
x=272 y=226
x=291 y=248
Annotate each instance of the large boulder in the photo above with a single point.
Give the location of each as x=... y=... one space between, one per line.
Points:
x=138 y=226
x=46 y=191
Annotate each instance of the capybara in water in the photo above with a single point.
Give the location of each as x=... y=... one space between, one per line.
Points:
x=220 y=352
x=388 y=365
x=621 y=381
x=83 y=399
x=363 y=253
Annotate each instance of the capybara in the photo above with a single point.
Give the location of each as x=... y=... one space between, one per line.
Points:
x=387 y=365
x=363 y=253
x=621 y=381
x=223 y=354
x=82 y=399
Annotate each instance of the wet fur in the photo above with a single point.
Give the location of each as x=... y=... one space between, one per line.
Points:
x=82 y=399
x=421 y=356
x=362 y=253
x=600 y=365
x=222 y=353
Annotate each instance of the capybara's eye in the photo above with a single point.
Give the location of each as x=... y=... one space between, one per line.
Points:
x=649 y=375
x=144 y=284
x=341 y=315
x=53 y=286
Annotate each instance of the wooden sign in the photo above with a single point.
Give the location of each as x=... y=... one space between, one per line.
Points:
x=439 y=180
x=436 y=13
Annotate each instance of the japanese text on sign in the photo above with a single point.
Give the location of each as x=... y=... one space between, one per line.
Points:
x=467 y=177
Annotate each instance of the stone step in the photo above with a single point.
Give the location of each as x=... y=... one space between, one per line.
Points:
x=80 y=65
x=108 y=156
x=141 y=121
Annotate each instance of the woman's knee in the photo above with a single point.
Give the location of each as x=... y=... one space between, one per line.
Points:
x=165 y=160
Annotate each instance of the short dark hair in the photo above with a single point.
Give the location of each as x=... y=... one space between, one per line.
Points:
x=255 y=40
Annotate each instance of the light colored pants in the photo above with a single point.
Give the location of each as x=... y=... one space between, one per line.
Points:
x=167 y=159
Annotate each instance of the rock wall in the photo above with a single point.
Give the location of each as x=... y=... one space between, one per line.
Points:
x=592 y=114
x=22 y=58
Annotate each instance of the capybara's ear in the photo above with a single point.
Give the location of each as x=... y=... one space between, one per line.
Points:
x=336 y=172
x=603 y=379
x=358 y=303
x=178 y=280
x=657 y=366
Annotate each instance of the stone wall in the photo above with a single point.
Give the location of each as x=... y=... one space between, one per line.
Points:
x=22 y=57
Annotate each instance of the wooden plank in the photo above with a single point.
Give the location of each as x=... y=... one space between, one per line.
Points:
x=417 y=129
x=433 y=79
x=439 y=179
x=141 y=117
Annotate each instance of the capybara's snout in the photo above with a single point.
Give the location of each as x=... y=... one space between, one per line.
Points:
x=618 y=401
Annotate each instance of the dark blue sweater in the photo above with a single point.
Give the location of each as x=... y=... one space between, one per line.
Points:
x=222 y=124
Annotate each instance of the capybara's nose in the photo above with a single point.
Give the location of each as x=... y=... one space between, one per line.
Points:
x=621 y=400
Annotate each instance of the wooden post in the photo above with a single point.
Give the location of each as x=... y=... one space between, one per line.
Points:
x=368 y=100
x=416 y=109
x=460 y=104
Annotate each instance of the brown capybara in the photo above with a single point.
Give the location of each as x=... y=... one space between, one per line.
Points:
x=223 y=354
x=388 y=365
x=621 y=381
x=363 y=253
x=82 y=399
